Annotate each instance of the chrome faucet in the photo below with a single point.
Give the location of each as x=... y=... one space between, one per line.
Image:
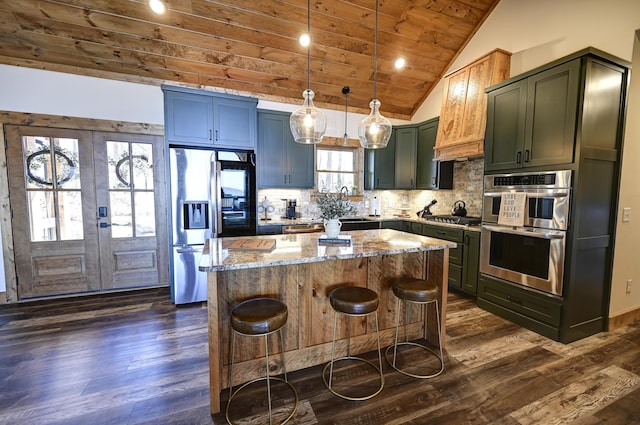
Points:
x=345 y=190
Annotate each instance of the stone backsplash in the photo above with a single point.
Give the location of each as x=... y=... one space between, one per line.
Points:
x=467 y=187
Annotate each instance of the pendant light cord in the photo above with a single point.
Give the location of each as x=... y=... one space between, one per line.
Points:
x=375 y=53
x=309 y=46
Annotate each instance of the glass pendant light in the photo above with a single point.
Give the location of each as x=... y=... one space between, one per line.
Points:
x=375 y=130
x=308 y=123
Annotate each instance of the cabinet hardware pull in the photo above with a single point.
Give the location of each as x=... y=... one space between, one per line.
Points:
x=519 y=157
x=526 y=155
x=210 y=135
x=216 y=135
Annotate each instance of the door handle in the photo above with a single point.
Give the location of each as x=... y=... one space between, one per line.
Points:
x=105 y=225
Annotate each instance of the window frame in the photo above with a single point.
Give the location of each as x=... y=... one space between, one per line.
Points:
x=337 y=144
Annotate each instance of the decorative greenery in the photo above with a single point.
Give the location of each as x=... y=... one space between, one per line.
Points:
x=335 y=205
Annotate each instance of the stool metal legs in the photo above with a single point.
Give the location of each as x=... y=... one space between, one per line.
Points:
x=329 y=365
x=407 y=342
x=267 y=378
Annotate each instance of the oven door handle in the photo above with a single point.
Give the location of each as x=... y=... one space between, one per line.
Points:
x=522 y=231
x=531 y=193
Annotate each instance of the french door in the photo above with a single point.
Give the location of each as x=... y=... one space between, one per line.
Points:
x=88 y=210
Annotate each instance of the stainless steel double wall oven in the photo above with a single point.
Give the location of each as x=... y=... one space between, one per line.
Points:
x=533 y=254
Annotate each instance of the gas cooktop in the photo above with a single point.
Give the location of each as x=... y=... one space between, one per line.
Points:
x=454 y=219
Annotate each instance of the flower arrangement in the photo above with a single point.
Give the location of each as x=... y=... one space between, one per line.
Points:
x=334 y=205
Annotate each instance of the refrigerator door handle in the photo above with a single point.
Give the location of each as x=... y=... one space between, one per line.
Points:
x=216 y=198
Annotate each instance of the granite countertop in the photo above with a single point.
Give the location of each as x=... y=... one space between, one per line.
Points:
x=279 y=221
x=304 y=248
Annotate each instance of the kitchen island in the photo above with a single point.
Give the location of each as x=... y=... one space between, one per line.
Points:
x=301 y=272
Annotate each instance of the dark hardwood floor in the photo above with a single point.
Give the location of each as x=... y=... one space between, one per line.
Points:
x=134 y=358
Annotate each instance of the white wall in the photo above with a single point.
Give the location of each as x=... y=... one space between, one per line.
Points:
x=56 y=93
x=626 y=265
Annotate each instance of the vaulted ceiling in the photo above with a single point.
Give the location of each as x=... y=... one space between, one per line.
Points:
x=249 y=46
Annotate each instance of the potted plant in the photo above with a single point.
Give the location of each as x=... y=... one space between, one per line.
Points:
x=332 y=206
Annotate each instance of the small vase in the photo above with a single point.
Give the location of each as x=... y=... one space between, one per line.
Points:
x=332 y=227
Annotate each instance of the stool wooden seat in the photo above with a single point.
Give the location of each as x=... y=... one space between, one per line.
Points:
x=352 y=301
x=417 y=291
x=259 y=317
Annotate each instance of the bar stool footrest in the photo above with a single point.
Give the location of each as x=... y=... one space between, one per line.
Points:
x=359 y=359
x=264 y=378
x=387 y=356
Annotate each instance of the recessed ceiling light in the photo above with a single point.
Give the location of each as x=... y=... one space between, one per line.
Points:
x=400 y=63
x=158 y=6
x=305 y=40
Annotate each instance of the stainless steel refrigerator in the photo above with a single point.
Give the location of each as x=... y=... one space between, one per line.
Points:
x=212 y=195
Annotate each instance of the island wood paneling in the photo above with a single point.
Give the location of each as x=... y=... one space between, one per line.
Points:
x=305 y=288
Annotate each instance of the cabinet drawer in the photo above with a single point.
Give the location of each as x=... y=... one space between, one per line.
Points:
x=441 y=232
x=527 y=303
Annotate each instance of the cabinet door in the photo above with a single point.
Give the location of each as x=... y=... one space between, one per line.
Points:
x=384 y=165
x=471 y=262
x=431 y=174
x=552 y=102
x=504 y=141
x=405 y=161
x=369 y=169
x=300 y=160
x=426 y=167
x=234 y=123
x=271 y=160
x=188 y=118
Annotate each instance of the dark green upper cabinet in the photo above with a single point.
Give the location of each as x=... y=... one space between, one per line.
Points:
x=282 y=163
x=385 y=165
x=407 y=161
x=430 y=174
x=405 y=158
x=532 y=122
x=201 y=118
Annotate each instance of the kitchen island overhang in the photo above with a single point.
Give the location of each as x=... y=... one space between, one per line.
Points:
x=301 y=272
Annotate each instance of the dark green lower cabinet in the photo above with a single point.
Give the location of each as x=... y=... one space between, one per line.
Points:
x=471 y=262
x=538 y=312
x=393 y=224
x=464 y=260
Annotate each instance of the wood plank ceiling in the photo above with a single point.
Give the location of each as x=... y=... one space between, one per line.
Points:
x=249 y=47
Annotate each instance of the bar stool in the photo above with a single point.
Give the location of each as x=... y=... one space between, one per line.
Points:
x=352 y=301
x=415 y=291
x=259 y=317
